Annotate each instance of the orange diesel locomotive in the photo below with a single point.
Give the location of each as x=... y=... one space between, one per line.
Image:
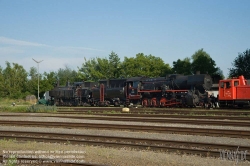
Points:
x=234 y=92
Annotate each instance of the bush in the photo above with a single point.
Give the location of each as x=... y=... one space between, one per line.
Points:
x=41 y=108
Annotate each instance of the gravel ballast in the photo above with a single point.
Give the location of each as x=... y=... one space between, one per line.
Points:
x=124 y=156
x=177 y=137
x=121 y=157
x=54 y=119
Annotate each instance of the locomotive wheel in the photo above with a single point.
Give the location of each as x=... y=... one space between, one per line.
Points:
x=149 y=103
x=163 y=100
x=154 y=102
x=107 y=104
x=145 y=102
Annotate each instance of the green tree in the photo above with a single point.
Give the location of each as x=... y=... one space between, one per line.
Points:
x=14 y=79
x=199 y=53
x=47 y=82
x=241 y=65
x=2 y=93
x=217 y=76
x=205 y=64
x=114 y=64
x=66 y=74
x=101 y=68
x=32 y=81
x=141 y=65
x=182 y=66
x=88 y=70
x=144 y=65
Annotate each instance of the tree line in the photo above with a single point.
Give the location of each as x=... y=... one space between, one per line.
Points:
x=16 y=82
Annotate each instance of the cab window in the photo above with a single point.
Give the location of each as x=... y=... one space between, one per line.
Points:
x=135 y=84
x=236 y=83
x=228 y=85
x=222 y=84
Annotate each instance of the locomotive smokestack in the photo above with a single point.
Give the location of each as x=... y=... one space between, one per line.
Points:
x=198 y=72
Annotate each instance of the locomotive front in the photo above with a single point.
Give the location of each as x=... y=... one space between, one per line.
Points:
x=200 y=82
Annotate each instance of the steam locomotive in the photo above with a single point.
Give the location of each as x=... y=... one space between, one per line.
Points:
x=174 y=90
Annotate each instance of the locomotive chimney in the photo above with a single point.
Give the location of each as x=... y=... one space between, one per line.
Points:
x=198 y=72
x=242 y=80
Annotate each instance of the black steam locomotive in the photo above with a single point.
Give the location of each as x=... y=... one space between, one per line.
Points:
x=174 y=90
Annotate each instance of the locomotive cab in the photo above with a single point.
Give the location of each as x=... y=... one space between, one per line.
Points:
x=131 y=89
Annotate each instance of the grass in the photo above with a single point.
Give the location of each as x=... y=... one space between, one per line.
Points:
x=18 y=102
x=12 y=161
x=11 y=105
x=32 y=108
x=111 y=112
x=13 y=108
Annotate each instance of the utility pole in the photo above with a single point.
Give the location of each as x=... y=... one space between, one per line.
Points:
x=37 y=77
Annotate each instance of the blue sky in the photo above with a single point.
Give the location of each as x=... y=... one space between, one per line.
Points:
x=63 y=32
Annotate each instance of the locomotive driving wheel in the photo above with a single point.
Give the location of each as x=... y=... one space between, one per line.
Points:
x=163 y=101
x=145 y=102
x=154 y=102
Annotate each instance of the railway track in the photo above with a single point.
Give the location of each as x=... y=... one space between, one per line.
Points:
x=154 y=120
x=179 y=116
x=157 y=120
x=239 y=118
x=163 y=120
x=138 y=128
x=88 y=110
x=198 y=148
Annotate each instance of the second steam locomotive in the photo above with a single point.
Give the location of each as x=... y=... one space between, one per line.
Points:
x=174 y=90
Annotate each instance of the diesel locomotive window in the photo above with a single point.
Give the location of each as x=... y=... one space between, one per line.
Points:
x=228 y=85
x=222 y=84
x=236 y=83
